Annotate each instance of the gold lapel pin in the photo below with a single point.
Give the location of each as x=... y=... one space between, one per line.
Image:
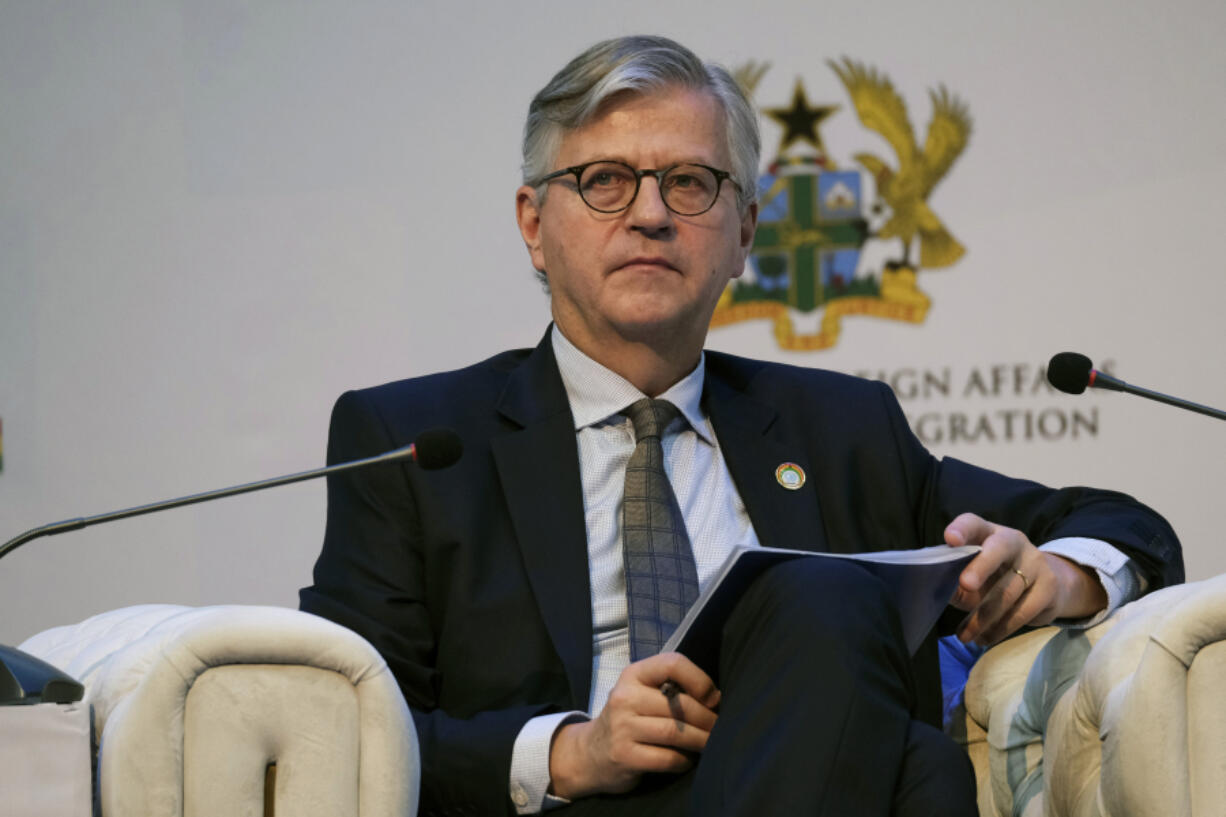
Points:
x=790 y=476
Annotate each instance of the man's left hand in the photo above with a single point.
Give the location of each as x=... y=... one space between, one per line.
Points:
x=1012 y=583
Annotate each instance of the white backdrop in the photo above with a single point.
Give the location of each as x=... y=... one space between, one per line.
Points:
x=216 y=216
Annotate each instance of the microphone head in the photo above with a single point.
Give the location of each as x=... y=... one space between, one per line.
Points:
x=1069 y=372
x=437 y=448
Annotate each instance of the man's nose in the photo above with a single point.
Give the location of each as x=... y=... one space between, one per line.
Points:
x=648 y=210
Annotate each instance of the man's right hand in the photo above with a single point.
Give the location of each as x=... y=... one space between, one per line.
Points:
x=639 y=730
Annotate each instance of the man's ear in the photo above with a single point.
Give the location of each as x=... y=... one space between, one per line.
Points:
x=528 y=214
x=749 y=225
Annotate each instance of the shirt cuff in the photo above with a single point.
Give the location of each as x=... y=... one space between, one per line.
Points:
x=530 y=762
x=1114 y=570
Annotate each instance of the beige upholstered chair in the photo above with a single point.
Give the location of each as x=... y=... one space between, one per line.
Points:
x=1126 y=718
x=238 y=711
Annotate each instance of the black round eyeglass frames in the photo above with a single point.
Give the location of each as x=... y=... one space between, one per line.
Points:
x=609 y=186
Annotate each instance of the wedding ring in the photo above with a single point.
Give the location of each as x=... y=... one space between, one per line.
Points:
x=1025 y=580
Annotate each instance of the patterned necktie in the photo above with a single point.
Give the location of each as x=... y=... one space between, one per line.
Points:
x=661 y=579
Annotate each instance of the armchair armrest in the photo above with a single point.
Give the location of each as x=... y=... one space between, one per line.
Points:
x=1141 y=731
x=1123 y=718
x=192 y=706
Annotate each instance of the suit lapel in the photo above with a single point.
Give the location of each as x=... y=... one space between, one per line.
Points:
x=538 y=465
x=753 y=448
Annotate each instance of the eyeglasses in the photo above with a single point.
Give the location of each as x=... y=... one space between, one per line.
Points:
x=607 y=186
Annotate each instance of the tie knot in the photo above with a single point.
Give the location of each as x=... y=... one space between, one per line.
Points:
x=650 y=417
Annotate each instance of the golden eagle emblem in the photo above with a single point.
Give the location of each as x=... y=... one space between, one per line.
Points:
x=906 y=190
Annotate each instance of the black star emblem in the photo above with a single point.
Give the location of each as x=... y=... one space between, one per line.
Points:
x=800 y=121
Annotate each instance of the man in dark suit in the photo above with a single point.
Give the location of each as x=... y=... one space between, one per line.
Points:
x=496 y=589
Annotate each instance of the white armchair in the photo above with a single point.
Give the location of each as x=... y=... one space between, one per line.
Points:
x=1125 y=718
x=238 y=710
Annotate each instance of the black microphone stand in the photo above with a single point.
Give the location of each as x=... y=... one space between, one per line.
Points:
x=66 y=525
x=25 y=679
x=1098 y=380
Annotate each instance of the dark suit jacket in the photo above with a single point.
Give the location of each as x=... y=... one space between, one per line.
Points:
x=472 y=581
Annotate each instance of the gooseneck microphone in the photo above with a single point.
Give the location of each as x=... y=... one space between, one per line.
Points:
x=1072 y=373
x=25 y=679
x=437 y=448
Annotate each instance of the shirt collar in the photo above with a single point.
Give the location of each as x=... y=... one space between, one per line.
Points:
x=597 y=393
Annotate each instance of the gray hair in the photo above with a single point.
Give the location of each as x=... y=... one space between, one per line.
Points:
x=637 y=65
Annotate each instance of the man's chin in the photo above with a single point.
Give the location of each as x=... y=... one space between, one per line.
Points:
x=655 y=328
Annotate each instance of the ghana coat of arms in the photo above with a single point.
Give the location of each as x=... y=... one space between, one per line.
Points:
x=815 y=216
